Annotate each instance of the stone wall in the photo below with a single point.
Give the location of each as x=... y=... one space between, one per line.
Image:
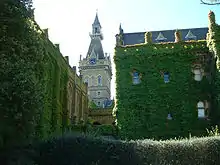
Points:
x=101 y=116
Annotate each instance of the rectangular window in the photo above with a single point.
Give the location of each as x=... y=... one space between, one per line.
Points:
x=201 y=113
x=166 y=77
x=136 y=78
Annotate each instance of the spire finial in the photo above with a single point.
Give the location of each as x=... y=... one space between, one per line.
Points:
x=120 y=29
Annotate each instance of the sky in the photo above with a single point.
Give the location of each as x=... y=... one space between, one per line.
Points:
x=70 y=21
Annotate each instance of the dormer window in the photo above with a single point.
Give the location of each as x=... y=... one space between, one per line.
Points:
x=190 y=36
x=161 y=38
x=166 y=77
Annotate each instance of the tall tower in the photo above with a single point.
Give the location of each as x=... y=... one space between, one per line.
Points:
x=96 y=70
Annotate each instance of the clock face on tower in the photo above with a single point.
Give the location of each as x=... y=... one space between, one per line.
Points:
x=92 y=61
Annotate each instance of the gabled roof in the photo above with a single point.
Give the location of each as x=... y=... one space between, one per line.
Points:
x=96 y=47
x=137 y=38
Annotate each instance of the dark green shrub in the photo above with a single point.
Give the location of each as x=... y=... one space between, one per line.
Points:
x=79 y=150
x=82 y=150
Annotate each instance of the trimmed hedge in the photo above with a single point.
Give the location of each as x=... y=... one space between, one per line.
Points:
x=80 y=150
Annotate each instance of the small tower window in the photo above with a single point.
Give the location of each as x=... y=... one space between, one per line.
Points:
x=201 y=109
x=98 y=93
x=99 y=80
x=96 y=30
x=99 y=103
x=166 y=77
x=136 y=77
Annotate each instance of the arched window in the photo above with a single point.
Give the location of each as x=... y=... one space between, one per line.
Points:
x=198 y=73
x=86 y=80
x=96 y=30
x=166 y=77
x=201 y=109
x=99 y=80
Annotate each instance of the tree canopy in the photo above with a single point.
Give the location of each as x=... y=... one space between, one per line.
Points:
x=210 y=2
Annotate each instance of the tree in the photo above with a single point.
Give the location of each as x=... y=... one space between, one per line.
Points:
x=21 y=66
x=210 y=2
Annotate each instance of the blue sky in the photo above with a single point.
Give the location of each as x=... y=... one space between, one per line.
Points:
x=70 y=21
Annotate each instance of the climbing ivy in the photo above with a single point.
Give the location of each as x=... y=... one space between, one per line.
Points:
x=142 y=109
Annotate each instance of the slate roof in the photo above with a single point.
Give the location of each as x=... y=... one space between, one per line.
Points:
x=137 y=38
x=96 y=45
x=96 y=21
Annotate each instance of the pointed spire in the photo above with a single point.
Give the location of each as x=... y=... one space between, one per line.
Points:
x=121 y=31
x=96 y=21
x=96 y=29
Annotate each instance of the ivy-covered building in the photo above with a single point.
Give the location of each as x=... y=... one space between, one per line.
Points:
x=167 y=82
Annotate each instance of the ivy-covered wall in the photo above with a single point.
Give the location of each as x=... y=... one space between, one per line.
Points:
x=142 y=109
x=65 y=93
x=40 y=94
